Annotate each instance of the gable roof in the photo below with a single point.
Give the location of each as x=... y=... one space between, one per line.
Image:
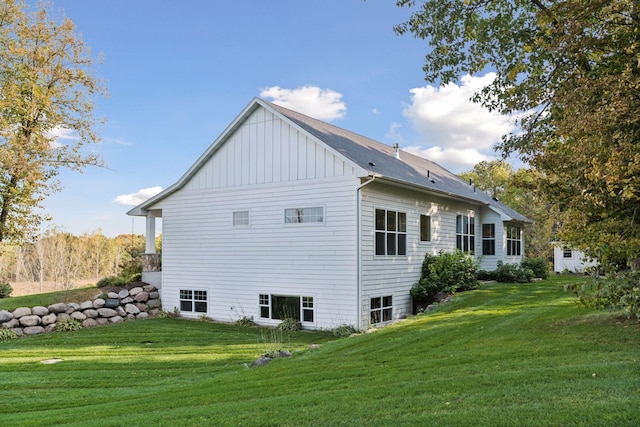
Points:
x=371 y=157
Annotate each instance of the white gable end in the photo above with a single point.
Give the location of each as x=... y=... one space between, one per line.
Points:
x=265 y=149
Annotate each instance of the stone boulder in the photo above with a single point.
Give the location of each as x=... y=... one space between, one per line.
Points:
x=33 y=330
x=98 y=303
x=40 y=310
x=49 y=319
x=21 y=312
x=131 y=309
x=142 y=297
x=62 y=316
x=13 y=323
x=107 y=312
x=142 y=315
x=113 y=295
x=116 y=319
x=153 y=303
x=49 y=328
x=72 y=306
x=31 y=320
x=150 y=288
x=57 y=308
x=89 y=323
x=123 y=293
x=91 y=313
x=78 y=315
x=135 y=291
x=5 y=316
x=261 y=361
x=86 y=305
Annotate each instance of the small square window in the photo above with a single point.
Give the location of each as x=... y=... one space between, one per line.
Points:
x=240 y=218
x=193 y=301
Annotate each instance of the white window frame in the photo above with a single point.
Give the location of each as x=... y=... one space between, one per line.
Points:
x=489 y=239
x=466 y=233
x=427 y=221
x=382 y=313
x=307 y=215
x=241 y=218
x=307 y=306
x=195 y=297
x=514 y=244
x=396 y=235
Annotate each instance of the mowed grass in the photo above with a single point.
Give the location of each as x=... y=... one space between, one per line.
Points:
x=503 y=355
x=77 y=295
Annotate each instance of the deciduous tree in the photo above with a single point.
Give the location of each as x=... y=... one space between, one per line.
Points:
x=569 y=72
x=46 y=87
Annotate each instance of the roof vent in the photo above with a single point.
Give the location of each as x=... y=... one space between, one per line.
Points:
x=396 y=150
x=371 y=164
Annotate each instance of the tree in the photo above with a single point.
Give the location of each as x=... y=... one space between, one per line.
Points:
x=46 y=86
x=569 y=72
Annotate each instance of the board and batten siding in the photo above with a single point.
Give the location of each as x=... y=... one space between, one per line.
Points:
x=264 y=167
x=394 y=275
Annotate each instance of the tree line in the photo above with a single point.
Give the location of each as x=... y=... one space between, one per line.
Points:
x=64 y=259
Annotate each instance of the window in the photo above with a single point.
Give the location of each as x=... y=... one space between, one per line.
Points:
x=381 y=309
x=465 y=233
x=566 y=252
x=391 y=232
x=513 y=241
x=240 y=218
x=283 y=307
x=425 y=228
x=488 y=239
x=303 y=215
x=193 y=301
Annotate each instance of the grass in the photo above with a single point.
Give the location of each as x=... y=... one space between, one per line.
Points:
x=73 y=295
x=504 y=355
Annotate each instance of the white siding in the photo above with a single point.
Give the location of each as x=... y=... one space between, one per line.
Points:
x=490 y=262
x=264 y=167
x=576 y=263
x=394 y=275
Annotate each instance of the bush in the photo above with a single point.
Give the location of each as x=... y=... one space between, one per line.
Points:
x=445 y=272
x=68 y=325
x=5 y=290
x=112 y=281
x=539 y=266
x=513 y=273
x=289 y=324
x=7 y=334
x=245 y=321
x=486 y=275
x=615 y=291
x=344 y=331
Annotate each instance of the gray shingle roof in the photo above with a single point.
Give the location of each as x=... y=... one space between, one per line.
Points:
x=380 y=159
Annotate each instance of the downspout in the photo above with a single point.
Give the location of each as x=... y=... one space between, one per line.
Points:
x=359 y=250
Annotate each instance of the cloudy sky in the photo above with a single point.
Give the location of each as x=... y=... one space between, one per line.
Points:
x=179 y=72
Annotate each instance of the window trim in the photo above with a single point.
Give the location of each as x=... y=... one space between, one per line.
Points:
x=466 y=233
x=383 y=312
x=243 y=211
x=307 y=307
x=394 y=239
x=427 y=223
x=193 y=300
x=489 y=240
x=514 y=244
x=287 y=222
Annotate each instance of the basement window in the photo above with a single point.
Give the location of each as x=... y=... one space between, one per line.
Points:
x=193 y=301
x=283 y=306
x=381 y=309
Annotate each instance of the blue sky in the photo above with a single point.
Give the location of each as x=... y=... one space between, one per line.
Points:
x=178 y=72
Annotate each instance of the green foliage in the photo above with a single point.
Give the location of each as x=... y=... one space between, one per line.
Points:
x=7 y=334
x=539 y=266
x=68 y=325
x=289 y=324
x=343 y=331
x=615 y=291
x=112 y=281
x=445 y=272
x=5 y=290
x=512 y=273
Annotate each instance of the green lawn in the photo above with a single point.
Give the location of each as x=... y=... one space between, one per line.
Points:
x=504 y=355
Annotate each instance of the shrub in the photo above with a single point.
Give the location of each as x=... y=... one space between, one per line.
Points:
x=289 y=324
x=244 y=321
x=7 y=334
x=5 y=290
x=344 y=331
x=512 y=273
x=615 y=291
x=445 y=272
x=486 y=275
x=68 y=325
x=112 y=281
x=539 y=266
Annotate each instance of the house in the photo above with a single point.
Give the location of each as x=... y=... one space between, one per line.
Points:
x=566 y=258
x=288 y=216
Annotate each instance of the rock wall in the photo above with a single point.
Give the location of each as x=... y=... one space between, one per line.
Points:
x=128 y=304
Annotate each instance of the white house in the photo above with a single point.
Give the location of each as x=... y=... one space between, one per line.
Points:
x=288 y=216
x=566 y=258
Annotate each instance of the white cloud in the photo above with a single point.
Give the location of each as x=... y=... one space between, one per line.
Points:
x=134 y=199
x=322 y=104
x=58 y=134
x=455 y=159
x=455 y=130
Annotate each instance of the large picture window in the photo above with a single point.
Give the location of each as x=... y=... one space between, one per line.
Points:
x=283 y=307
x=391 y=232
x=304 y=215
x=465 y=233
x=193 y=301
x=514 y=245
x=488 y=239
x=381 y=309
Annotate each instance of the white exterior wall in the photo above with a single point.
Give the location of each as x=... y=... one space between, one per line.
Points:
x=576 y=263
x=395 y=275
x=265 y=167
x=490 y=262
